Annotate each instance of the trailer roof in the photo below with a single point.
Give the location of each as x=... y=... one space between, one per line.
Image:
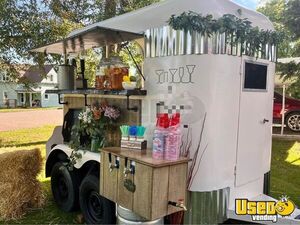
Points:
x=157 y=15
x=91 y=37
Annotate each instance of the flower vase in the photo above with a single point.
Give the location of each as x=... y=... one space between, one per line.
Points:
x=84 y=140
x=95 y=145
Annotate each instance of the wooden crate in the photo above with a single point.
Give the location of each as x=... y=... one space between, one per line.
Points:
x=157 y=182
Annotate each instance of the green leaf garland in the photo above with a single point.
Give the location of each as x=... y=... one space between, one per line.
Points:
x=239 y=30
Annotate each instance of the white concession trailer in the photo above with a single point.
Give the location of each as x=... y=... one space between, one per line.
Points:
x=225 y=98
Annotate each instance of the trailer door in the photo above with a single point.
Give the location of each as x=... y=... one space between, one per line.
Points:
x=255 y=123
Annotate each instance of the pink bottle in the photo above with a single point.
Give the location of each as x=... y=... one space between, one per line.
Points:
x=173 y=139
x=159 y=137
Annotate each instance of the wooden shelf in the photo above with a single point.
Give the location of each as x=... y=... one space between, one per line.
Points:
x=143 y=157
x=136 y=92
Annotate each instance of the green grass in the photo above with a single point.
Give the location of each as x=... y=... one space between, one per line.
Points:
x=285 y=170
x=285 y=178
x=27 y=139
x=6 y=110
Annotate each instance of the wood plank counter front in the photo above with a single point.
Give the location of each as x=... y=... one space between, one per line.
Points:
x=156 y=182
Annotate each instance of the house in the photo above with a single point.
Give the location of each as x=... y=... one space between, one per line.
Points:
x=32 y=91
x=8 y=95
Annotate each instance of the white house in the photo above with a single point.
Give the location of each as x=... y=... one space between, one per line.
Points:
x=35 y=96
x=8 y=94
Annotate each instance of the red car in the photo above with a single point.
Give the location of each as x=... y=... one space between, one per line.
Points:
x=292 y=112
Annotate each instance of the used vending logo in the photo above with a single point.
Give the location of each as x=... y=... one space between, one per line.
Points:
x=264 y=210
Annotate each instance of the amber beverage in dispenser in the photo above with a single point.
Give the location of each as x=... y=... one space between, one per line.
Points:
x=101 y=75
x=116 y=72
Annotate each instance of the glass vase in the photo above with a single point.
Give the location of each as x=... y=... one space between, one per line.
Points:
x=95 y=145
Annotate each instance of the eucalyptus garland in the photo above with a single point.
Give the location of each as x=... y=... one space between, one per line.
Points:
x=240 y=31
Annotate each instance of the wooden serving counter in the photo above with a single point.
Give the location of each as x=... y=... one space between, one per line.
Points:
x=148 y=185
x=143 y=157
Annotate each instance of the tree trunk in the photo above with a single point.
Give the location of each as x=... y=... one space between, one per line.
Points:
x=123 y=6
x=110 y=9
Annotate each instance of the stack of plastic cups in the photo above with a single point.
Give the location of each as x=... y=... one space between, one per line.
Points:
x=159 y=138
x=173 y=139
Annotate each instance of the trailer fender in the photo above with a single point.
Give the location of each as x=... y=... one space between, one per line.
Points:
x=62 y=152
x=54 y=157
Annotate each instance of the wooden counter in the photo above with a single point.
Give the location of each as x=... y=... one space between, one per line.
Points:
x=143 y=157
x=156 y=182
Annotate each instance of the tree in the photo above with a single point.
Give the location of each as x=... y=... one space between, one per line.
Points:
x=111 y=8
x=292 y=17
x=26 y=24
x=76 y=11
x=275 y=10
x=285 y=14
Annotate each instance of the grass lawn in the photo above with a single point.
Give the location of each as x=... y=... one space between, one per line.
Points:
x=285 y=172
x=27 y=139
x=285 y=178
x=5 y=110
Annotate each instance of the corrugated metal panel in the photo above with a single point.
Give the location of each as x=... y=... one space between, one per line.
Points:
x=207 y=207
x=166 y=41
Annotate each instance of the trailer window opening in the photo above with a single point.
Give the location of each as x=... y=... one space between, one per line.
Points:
x=255 y=76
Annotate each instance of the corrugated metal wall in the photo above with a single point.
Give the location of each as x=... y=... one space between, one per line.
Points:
x=166 y=41
x=207 y=207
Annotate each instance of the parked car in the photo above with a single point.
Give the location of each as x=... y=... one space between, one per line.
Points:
x=292 y=112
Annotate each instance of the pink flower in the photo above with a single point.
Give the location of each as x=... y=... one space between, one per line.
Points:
x=111 y=112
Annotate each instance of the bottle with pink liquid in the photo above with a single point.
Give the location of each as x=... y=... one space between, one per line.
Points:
x=173 y=139
x=159 y=137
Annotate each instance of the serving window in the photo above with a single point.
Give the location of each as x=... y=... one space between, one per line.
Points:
x=255 y=77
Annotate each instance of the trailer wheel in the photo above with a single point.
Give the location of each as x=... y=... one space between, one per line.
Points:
x=95 y=208
x=65 y=187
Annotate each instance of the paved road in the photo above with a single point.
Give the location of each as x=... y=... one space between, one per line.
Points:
x=30 y=119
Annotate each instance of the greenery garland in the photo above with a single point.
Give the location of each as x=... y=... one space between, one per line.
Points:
x=239 y=31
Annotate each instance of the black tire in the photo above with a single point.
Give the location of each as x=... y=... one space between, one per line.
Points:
x=65 y=187
x=95 y=208
x=292 y=121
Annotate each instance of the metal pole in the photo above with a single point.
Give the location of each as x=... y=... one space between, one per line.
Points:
x=283 y=110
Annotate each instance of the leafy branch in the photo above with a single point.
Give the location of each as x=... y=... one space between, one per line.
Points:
x=240 y=31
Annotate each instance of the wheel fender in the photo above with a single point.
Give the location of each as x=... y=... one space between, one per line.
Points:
x=61 y=153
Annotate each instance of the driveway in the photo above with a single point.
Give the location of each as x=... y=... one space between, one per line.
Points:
x=30 y=119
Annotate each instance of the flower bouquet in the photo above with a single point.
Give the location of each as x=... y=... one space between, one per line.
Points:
x=89 y=132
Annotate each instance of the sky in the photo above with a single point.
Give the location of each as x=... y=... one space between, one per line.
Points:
x=252 y=4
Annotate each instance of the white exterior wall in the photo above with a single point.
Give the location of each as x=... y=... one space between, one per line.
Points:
x=48 y=84
x=216 y=90
x=10 y=89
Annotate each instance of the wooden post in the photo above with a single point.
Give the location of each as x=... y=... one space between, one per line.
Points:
x=30 y=99
x=283 y=110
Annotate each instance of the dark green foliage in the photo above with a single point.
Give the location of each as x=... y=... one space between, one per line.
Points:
x=292 y=17
x=288 y=71
x=26 y=24
x=286 y=17
x=240 y=30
